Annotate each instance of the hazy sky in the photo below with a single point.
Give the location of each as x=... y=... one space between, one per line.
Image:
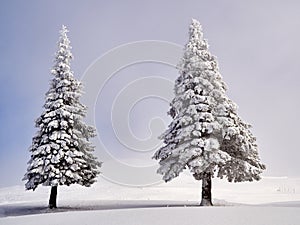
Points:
x=256 y=43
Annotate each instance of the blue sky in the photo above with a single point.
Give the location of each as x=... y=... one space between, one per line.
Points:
x=256 y=43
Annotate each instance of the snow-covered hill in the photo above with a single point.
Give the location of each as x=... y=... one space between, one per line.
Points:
x=269 y=201
x=165 y=216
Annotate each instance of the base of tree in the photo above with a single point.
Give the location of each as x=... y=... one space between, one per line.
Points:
x=52 y=206
x=52 y=200
x=206 y=202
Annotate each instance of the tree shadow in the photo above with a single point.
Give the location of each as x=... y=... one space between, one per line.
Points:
x=22 y=209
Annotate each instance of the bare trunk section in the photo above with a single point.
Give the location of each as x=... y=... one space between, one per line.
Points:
x=206 y=190
x=53 y=195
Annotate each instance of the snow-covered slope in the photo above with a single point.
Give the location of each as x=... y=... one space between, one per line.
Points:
x=274 y=201
x=184 y=188
x=165 y=216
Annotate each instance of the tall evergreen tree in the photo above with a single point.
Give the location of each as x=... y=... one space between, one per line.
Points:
x=206 y=134
x=61 y=151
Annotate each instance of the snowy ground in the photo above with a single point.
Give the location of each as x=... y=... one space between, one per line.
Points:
x=270 y=201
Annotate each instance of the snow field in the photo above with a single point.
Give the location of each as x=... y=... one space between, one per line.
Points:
x=164 y=216
x=168 y=203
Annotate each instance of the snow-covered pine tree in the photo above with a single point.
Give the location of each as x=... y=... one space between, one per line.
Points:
x=61 y=151
x=206 y=134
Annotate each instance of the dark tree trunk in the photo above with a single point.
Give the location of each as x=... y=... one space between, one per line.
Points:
x=53 y=195
x=206 y=190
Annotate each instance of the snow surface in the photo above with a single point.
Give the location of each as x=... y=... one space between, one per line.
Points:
x=269 y=201
x=174 y=216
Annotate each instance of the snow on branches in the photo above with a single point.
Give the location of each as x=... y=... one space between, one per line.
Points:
x=61 y=153
x=206 y=134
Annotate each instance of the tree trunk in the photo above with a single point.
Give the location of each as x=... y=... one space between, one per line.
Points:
x=53 y=195
x=206 y=190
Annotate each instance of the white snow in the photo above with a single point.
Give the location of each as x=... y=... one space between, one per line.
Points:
x=273 y=201
x=171 y=215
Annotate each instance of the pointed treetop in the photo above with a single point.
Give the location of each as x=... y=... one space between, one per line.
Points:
x=196 y=40
x=64 y=55
x=196 y=23
x=64 y=30
x=196 y=30
x=63 y=39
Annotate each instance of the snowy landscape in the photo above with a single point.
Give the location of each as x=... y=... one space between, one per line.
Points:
x=152 y=112
x=273 y=200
